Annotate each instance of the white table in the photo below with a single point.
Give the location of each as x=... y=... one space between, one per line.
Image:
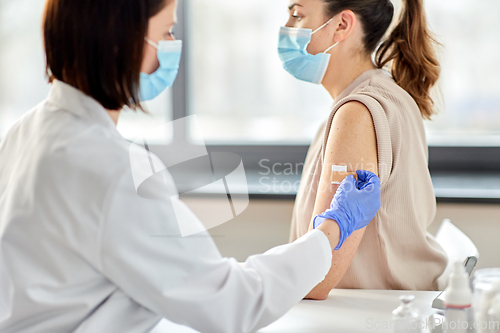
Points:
x=345 y=311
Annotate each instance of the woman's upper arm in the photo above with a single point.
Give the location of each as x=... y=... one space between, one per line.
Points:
x=352 y=142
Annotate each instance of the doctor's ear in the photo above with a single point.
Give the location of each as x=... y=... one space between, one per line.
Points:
x=345 y=22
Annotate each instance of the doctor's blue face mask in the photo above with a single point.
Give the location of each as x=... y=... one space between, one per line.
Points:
x=292 y=50
x=169 y=55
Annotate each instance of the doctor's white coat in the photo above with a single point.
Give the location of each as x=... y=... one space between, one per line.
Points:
x=81 y=251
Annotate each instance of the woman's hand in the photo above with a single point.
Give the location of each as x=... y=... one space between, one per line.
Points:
x=354 y=205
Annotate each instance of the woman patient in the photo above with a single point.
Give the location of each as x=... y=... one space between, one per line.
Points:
x=376 y=124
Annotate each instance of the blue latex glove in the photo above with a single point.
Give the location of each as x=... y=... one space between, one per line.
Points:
x=354 y=205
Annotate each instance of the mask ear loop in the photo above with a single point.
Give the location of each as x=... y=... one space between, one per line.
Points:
x=331 y=47
x=150 y=42
x=324 y=25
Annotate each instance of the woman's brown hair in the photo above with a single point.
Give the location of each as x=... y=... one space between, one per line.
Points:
x=97 y=46
x=410 y=46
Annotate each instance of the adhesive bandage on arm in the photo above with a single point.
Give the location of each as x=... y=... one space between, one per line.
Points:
x=339 y=173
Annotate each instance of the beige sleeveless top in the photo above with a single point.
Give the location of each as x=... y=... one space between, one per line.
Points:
x=396 y=251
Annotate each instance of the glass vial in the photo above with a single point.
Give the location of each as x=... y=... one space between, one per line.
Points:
x=406 y=318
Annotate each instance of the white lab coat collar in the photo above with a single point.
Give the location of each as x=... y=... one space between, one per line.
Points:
x=68 y=98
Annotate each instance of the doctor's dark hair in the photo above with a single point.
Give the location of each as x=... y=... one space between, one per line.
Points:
x=410 y=46
x=97 y=46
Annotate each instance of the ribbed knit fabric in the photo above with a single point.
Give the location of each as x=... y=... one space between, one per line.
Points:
x=396 y=251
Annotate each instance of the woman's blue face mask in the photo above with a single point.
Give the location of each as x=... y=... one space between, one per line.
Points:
x=169 y=55
x=292 y=50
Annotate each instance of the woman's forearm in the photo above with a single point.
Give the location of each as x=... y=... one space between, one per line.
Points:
x=341 y=261
x=331 y=229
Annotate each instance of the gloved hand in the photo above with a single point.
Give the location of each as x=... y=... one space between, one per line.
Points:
x=354 y=205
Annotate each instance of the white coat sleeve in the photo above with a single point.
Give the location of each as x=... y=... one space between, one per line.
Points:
x=185 y=279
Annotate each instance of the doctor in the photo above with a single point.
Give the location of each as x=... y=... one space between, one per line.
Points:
x=78 y=251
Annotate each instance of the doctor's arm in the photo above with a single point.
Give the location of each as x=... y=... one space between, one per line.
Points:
x=186 y=280
x=352 y=142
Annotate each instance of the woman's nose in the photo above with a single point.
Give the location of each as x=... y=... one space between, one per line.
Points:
x=289 y=24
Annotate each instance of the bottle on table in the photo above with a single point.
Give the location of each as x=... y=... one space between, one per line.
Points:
x=457 y=302
x=406 y=318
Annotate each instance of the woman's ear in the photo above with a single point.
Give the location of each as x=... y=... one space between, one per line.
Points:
x=345 y=23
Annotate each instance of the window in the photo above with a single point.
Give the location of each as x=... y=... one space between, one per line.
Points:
x=470 y=110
